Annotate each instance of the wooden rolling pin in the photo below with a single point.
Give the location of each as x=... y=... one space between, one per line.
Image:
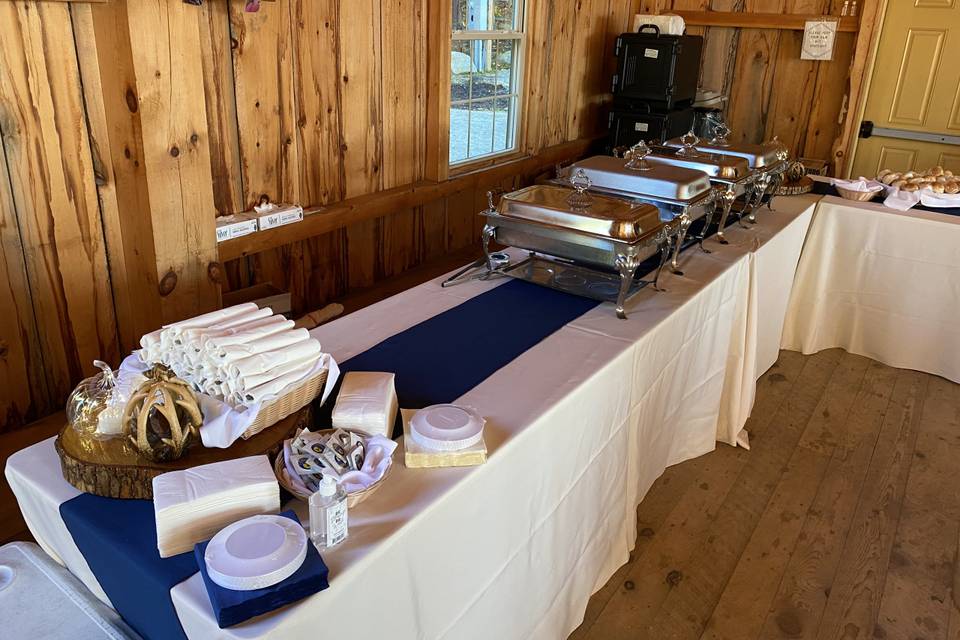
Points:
x=318 y=317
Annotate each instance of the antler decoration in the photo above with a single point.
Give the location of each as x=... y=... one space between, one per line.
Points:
x=162 y=417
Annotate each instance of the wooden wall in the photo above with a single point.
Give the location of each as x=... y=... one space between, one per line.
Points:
x=771 y=90
x=127 y=126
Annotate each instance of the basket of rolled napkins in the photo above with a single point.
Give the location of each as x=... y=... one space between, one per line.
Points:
x=249 y=367
x=357 y=461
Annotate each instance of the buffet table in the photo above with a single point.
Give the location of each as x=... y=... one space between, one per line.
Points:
x=880 y=283
x=579 y=427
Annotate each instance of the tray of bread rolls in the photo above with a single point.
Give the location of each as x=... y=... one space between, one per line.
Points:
x=936 y=179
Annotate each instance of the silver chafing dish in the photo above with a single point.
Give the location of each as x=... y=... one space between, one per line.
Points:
x=679 y=193
x=731 y=176
x=768 y=161
x=585 y=244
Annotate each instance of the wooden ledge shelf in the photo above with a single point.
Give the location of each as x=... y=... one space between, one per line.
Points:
x=327 y=218
x=760 y=20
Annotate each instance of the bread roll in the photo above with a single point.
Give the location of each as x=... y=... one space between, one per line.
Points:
x=951 y=188
x=883 y=173
x=890 y=178
x=936 y=171
x=917 y=180
x=947 y=172
x=909 y=174
x=911 y=187
x=937 y=187
x=898 y=184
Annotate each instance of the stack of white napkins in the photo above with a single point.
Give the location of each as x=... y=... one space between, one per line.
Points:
x=367 y=402
x=191 y=505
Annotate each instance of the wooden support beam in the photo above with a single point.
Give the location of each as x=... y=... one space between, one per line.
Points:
x=324 y=219
x=752 y=20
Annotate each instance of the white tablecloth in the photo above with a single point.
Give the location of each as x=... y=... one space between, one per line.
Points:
x=578 y=429
x=880 y=283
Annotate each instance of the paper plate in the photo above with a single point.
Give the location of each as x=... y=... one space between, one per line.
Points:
x=446 y=427
x=256 y=552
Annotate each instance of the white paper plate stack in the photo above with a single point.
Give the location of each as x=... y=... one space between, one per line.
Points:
x=193 y=504
x=444 y=435
x=256 y=553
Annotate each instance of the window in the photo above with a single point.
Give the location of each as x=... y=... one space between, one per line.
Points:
x=484 y=78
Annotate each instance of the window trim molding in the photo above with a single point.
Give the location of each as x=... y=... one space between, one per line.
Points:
x=440 y=34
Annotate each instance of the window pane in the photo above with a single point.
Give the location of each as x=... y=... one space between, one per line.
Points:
x=460 y=14
x=484 y=15
x=503 y=64
x=504 y=14
x=461 y=65
x=481 y=128
x=503 y=124
x=459 y=123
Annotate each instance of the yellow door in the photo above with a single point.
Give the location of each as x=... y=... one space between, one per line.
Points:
x=914 y=98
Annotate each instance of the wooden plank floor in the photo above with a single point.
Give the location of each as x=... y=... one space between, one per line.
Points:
x=842 y=522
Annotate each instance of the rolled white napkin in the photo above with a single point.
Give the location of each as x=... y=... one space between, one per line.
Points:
x=255 y=318
x=232 y=353
x=275 y=386
x=207 y=319
x=242 y=383
x=264 y=362
x=247 y=334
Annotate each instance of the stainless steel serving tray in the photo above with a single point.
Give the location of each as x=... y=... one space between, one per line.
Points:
x=600 y=216
x=724 y=167
x=759 y=156
x=674 y=183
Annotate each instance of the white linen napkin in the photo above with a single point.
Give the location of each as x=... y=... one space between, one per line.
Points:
x=207 y=319
x=860 y=184
x=901 y=200
x=233 y=352
x=260 y=363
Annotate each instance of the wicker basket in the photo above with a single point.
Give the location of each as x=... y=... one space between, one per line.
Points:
x=858 y=196
x=276 y=410
x=353 y=499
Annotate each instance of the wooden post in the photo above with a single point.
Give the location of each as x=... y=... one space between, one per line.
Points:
x=151 y=108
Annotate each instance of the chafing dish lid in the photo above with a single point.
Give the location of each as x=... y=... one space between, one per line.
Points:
x=659 y=181
x=714 y=165
x=758 y=155
x=601 y=216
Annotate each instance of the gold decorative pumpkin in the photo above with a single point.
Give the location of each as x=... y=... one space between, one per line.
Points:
x=163 y=416
x=795 y=171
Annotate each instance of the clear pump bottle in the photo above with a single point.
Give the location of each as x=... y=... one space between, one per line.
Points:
x=328 y=514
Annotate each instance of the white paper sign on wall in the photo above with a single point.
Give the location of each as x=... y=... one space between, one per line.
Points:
x=818 y=39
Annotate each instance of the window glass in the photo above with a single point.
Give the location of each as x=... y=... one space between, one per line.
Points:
x=484 y=73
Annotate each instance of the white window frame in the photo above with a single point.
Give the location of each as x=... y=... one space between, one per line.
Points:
x=518 y=35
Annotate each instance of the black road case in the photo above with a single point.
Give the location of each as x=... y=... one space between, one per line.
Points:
x=657 y=68
x=631 y=123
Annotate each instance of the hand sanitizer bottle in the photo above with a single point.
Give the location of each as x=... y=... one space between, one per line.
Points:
x=328 y=514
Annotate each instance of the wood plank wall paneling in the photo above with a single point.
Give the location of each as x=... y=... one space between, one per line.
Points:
x=127 y=127
x=771 y=91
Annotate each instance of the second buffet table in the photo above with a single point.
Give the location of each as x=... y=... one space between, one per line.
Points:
x=579 y=427
x=880 y=283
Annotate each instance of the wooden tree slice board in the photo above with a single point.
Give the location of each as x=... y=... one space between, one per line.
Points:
x=112 y=468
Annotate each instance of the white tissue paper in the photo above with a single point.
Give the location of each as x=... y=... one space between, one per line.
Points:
x=669 y=24
x=860 y=184
x=367 y=402
x=191 y=505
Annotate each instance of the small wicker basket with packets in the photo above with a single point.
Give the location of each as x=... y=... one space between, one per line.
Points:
x=359 y=462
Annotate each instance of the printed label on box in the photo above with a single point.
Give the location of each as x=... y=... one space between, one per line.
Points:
x=280 y=218
x=651 y=53
x=641 y=126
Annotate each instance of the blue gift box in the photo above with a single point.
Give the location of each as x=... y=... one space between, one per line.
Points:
x=233 y=607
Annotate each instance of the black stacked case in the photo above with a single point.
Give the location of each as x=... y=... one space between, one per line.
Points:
x=654 y=86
